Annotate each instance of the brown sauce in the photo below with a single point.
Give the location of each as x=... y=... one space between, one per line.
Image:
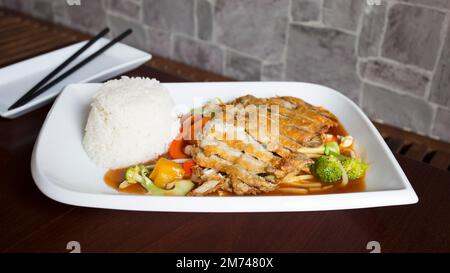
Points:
x=113 y=178
x=338 y=130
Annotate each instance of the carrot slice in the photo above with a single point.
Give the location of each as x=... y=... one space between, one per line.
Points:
x=176 y=149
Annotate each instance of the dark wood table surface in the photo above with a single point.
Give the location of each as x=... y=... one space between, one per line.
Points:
x=31 y=222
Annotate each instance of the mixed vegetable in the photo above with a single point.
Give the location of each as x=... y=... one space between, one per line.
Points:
x=163 y=180
x=168 y=177
x=335 y=162
x=331 y=169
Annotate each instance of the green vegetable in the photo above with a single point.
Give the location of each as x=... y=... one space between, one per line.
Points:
x=331 y=147
x=338 y=155
x=134 y=174
x=326 y=149
x=139 y=174
x=355 y=169
x=327 y=169
x=181 y=188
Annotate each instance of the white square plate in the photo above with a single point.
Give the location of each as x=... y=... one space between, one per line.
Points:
x=17 y=79
x=63 y=171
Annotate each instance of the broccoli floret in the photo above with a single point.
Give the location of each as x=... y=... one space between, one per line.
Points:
x=135 y=174
x=328 y=169
x=355 y=169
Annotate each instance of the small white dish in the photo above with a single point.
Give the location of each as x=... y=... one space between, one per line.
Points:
x=17 y=79
x=63 y=171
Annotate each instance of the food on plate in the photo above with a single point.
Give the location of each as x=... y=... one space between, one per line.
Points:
x=247 y=146
x=259 y=163
x=354 y=168
x=131 y=120
x=139 y=174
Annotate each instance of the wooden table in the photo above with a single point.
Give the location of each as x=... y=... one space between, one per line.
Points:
x=31 y=222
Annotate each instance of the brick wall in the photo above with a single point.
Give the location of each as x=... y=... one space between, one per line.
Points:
x=393 y=59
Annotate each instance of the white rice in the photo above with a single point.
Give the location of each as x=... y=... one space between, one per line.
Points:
x=132 y=120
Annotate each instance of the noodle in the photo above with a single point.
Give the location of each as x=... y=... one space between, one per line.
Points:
x=293 y=190
x=297 y=178
x=305 y=176
x=321 y=189
x=303 y=185
x=313 y=155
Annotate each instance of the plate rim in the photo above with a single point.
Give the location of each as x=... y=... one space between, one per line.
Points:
x=403 y=196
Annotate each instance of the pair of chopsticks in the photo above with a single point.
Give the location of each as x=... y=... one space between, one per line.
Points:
x=44 y=84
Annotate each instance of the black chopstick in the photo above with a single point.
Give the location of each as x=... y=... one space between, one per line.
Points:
x=76 y=67
x=59 y=68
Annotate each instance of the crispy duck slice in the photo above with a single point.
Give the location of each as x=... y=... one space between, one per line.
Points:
x=298 y=120
x=210 y=181
x=233 y=154
x=236 y=173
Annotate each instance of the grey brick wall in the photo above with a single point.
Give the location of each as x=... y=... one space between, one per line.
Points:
x=392 y=59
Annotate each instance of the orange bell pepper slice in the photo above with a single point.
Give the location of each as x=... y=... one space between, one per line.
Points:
x=166 y=171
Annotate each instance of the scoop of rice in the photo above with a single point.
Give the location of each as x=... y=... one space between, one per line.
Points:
x=132 y=120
